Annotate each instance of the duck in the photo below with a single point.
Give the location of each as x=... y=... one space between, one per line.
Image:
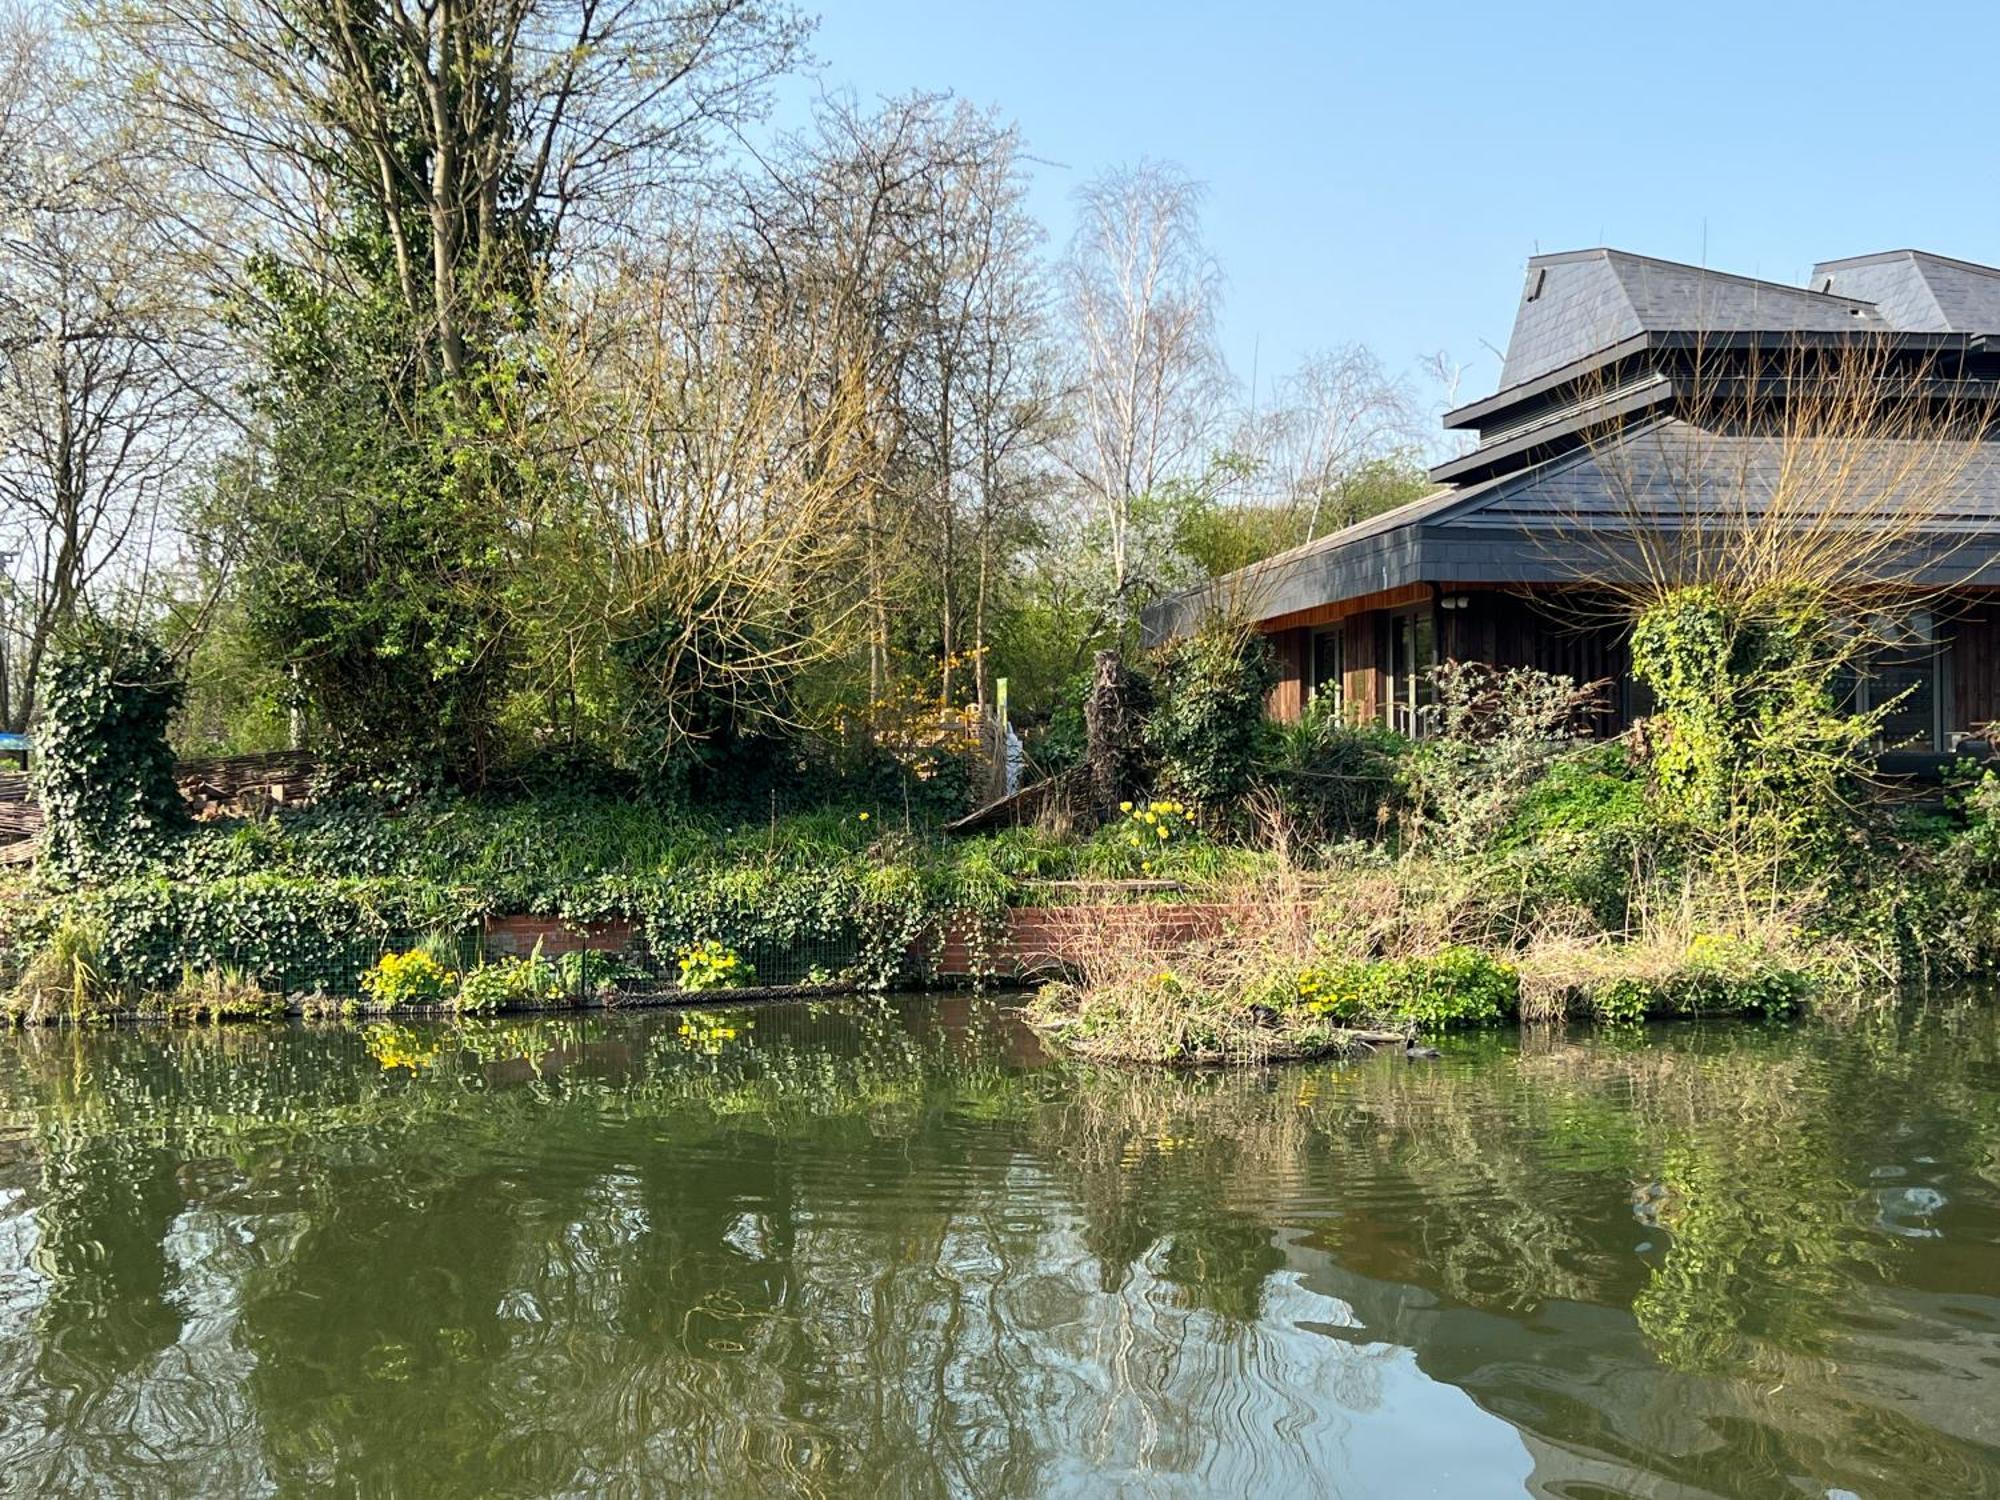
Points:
x=1415 y=1051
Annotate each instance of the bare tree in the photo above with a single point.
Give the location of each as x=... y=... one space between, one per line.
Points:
x=1141 y=295
x=1835 y=470
x=106 y=358
x=1339 y=412
x=713 y=517
x=473 y=129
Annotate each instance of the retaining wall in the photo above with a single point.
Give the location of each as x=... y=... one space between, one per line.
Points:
x=1030 y=940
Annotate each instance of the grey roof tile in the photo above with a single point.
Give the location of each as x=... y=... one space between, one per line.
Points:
x=1918 y=291
x=1576 y=303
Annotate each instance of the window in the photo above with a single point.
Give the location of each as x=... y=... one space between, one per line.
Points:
x=1329 y=666
x=1901 y=676
x=1406 y=687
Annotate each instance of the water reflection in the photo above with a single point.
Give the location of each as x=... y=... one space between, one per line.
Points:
x=890 y=1249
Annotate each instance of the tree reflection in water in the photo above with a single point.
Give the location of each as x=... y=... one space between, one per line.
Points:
x=886 y=1248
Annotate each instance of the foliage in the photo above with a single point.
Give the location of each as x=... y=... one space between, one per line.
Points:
x=218 y=994
x=1754 y=756
x=1492 y=735
x=411 y=978
x=510 y=982
x=65 y=978
x=106 y=775
x=1207 y=725
x=1455 y=986
x=1156 y=833
x=711 y=965
x=1338 y=778
x=1584 y=833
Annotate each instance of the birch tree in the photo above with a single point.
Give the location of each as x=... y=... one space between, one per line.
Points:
x=1141 y=295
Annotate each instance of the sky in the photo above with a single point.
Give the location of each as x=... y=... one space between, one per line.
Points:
x=1380 y=173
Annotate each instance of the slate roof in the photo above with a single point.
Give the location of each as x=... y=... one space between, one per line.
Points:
x=1536 y=525
x=1528 y=496
x=1582 y=301
x=1917 y=291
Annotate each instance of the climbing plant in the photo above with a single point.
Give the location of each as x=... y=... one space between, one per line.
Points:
x=106 y=778
x=1207 y=723
x=1757 y=755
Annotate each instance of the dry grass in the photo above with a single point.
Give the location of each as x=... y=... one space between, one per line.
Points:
x=1149 y=988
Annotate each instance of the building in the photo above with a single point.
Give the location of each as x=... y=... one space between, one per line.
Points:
x=1638 y=400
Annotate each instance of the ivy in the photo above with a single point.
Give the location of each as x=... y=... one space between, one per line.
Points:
x=106 y=780
x=1207 y=724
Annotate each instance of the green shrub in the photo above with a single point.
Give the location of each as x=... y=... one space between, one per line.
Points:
x=1493 y=734
x=511 y=981
x=1207 y=725
x=1730 y=973
x=1456 y=986
x=1337 y=779
x=106 y=771
x=1583 y=831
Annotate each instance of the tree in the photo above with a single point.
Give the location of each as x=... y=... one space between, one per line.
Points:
x=406 y=181
x=1141 y=294
x=469 y=139
x=108 y=367
x=704 y=541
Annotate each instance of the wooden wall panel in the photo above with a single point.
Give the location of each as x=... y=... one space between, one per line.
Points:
x=1360 y=683
x=1287 y=700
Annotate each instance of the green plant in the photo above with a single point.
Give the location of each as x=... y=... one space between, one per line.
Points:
x=1493 y=734
x=1455 y=986
x=710 y=965
x=66 y=977
x=220 y=994
x=1207 y=724
x=1337 y=778
x=106 y=772
x=410 y=978
x=1754 y=755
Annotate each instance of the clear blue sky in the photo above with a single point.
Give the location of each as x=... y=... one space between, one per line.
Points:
x=1380 y=172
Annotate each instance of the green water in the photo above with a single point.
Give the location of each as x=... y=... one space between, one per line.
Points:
x=889 y=1249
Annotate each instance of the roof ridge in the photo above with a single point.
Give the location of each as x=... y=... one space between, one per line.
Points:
x=1876 y=256
x=1755 y=283
x=1609 y=252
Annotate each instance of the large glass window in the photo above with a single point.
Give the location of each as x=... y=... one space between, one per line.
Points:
x=1412 y=654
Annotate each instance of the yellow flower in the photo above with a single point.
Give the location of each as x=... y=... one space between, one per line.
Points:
x=863 y=817
x=1162 y=832
x=1124 y=807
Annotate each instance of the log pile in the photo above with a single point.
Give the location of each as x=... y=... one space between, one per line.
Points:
x=230 y=786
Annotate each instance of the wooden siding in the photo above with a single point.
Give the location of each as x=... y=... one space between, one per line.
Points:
x=1287 y=699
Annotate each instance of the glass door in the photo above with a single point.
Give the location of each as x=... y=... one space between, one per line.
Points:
x=1412 y=654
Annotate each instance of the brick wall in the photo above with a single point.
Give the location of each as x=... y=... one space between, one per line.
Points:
x=1031 y=940
x=518 y=936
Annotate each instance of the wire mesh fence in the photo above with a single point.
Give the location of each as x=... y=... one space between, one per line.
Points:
x=568 y=966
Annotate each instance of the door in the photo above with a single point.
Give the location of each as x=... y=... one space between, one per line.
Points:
x=1407 y=685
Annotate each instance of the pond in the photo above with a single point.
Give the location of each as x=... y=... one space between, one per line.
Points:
x=888 y=1248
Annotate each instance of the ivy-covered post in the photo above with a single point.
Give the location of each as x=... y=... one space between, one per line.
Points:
x=1110 y=732
x=106 y=778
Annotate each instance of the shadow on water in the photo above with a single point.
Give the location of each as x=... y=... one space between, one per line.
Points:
x=889 y=1248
